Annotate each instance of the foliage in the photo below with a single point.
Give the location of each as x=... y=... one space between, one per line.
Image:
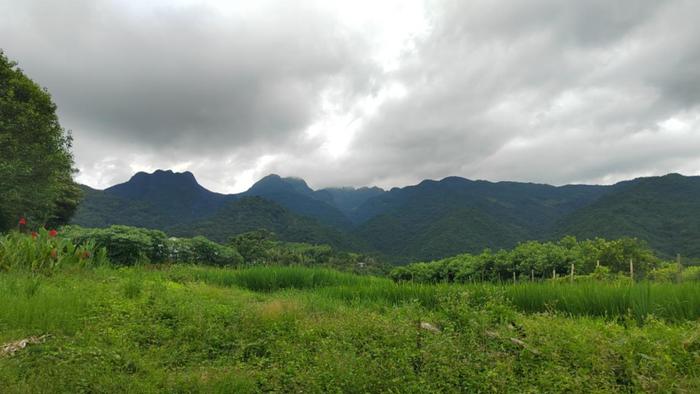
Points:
x=181 y=329
x=613 y=300
x=42 y=252
x=254 y=245
x=130 y=245
x=261 y=248
x=36 y=165
x=530 y=260
x=202 y=250
x=125 y=245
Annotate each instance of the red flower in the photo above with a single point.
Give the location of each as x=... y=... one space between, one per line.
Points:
x=22 y=221
x=53 y=233
x=34 y=234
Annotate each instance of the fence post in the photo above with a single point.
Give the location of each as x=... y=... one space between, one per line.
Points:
x=532 y=275
x=513 y=276
x=597 y=263
x=554 y=273
x=572 y=272
x=631 y=270
x=679 y=275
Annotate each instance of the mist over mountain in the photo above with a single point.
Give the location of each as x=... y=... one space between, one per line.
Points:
x=430 y=220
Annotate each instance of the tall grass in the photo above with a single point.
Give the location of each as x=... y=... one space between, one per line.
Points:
x=666 y=300
x=673 y=302
x=386 y=292
x=269 y=279
x=35 y=304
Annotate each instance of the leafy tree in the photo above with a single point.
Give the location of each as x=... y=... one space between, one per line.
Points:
x=36 y=165
x=254 y=245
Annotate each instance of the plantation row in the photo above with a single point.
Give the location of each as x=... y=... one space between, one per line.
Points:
x=599 y=259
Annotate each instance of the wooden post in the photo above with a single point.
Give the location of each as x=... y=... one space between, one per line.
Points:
x=554 y=273
x=572 y=272
x=597 y=263
x=631 y=270
x=679 y=275
x=532 y=275
x=513 y=276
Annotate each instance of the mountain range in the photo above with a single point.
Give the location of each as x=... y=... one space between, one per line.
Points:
x=430 y=220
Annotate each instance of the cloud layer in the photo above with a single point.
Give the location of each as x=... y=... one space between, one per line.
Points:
x=355 y=93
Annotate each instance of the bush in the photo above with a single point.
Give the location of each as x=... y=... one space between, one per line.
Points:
x=46 y=252
x=538 y=260
x=202 y=250
x=690 y=274
x=130 y=245
x=125 y=245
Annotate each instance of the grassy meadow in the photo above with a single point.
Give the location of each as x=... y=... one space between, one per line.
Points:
x=182 y=328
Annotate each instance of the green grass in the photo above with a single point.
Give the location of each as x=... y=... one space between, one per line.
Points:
x=33 y=304
x=675 y=302
x=199 y=329
x=267 y=279
x=613 y=300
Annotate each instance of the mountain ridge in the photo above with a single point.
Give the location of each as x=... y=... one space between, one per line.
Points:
x=428 y=220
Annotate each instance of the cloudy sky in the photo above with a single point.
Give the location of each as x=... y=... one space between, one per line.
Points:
x=368 y=92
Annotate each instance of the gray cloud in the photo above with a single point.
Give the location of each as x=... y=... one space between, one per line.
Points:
x=543 y=90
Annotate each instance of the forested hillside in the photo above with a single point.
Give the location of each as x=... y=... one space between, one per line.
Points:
x=664 y=211
x=430 y=220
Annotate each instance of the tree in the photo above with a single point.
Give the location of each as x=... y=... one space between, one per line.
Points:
x=36 y=165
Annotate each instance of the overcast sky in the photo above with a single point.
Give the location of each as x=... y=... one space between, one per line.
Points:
x=369 y=92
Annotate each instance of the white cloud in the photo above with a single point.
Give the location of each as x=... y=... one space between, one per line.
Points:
x=365 y=92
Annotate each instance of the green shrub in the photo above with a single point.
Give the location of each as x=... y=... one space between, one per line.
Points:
x=690 y=274
x=202 y=250
x=539 y=260
x=668 y=273
x=46 y=251
x=130 y=245
x=125 y=245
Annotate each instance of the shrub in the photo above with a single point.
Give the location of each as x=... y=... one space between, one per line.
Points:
x=202 y=250
x=690 y=274
x=125 y=245
x=129 y=245
x=538 y=260
x=46 y=251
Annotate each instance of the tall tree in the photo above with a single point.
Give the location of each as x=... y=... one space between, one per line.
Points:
x=36 y=165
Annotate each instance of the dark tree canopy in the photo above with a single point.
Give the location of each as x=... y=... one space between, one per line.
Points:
x=36 y=165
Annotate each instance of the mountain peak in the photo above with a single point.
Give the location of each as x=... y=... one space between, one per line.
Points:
x=274 y=183
x=160 y=181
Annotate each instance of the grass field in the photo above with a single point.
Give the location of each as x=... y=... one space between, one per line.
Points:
x=289 y=329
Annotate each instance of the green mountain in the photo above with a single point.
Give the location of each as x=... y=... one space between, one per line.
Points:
x=177 y=204
x=348 y=199
x=157 y=200
x=253 y=213
x=439 y=218
x=295 y=195
x=664 y=211
x=430 y=220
